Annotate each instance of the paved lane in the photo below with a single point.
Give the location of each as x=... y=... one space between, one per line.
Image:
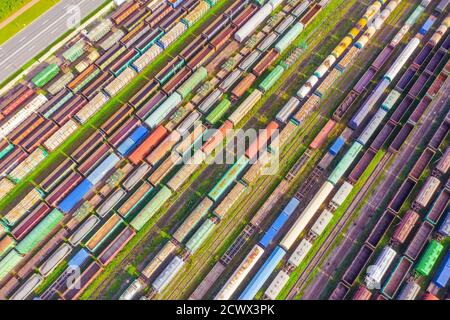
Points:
x=29 y=42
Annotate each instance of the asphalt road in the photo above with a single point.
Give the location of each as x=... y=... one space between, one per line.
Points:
x=37 y=36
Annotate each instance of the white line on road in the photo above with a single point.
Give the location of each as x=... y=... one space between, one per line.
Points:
x=36 y=36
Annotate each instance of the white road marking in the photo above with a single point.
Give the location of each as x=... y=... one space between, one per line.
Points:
x=39 y=34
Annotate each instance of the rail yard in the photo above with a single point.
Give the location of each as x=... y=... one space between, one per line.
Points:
x=232 y=150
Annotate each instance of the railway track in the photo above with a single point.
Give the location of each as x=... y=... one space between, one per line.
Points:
x=336 y=231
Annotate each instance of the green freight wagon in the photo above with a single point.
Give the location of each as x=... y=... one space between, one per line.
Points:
x=43 y=77
x=86 y=80
x=151 y=208
x=289 y=37
x=74 y=52
x=260 y=2
x=272 y=78
x=9 y=262
x=345 y=163
x=6 y=150
x=429 y=258
x=127 y=64
x=212 y=2
x=40 y=232
x=228 y=178
x=166 y=76
x=218 y=112
x=58 y=105
x=200 y=235
x=151 y=43
x=194 y=80
x=390 y=100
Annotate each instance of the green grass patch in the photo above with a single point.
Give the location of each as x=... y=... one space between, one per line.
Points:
x=23 y=19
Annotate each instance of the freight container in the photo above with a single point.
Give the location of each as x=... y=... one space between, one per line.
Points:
x=249 y=60
x=439 y=206
x=410 y=291
x=277 y=285
x=20 y=116
x=9 y=262
x=260 y=143
x=362 y=293
x=322 y=136
x=357 y=265
x=368 y=104
x=199 y=11
x=120 y=82
x=6 y=243
x=245 y=107
x=263 y=274
x=279 y=223
x=55 y=259
x=306 y=216
x=444 y=163
x=26 y=166
x=418 y=242
x=106 y=230
x=75 y=51
x=40 y=232
x=287 y=110
x=200 y=236
x=402 y=59
x=381 y=265
x=116 y=245
x=83 y=230
x=22 y=207
x=396 y=278
x=188 y=168
x=403 y=230
x=30 y=221
x=265 y=62
x=210 y=100
x=443 y=274
x=321 y=223
x=148 y=144
x=267 y=41
x=164 y=168
x=190 y=121
x=230 y=80
x=240 y=274
x=230 y=199
x=218 y=112
x=421 y=163
x=135 y=199
x=372 y=126
x=300 y=253
x=163 y=110
x=250 y=26
x=228 y=178
x=168 y=274
x=163 y=148
x=427 y=192
x=444 y=229
x=429 y=258
x=193 y=139
x=151 y=208
x=345 y=163
x=43 y=77
x=133 y=289
x=172 y=35
x=75 y=196
x=271 y=79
